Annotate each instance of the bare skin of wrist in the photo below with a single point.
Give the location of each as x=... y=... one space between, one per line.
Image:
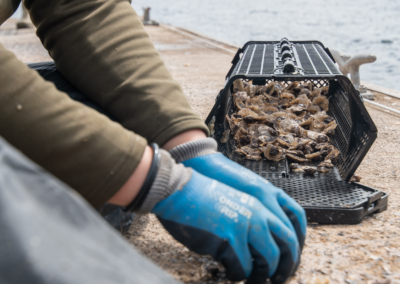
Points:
x=131 y=188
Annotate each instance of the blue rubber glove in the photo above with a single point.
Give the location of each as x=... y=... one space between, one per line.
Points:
x=201 y=155
x=233 y=227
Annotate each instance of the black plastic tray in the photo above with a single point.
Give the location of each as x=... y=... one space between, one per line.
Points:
x=327 y=198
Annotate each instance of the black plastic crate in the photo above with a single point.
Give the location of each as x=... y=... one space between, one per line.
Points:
x=327 y=198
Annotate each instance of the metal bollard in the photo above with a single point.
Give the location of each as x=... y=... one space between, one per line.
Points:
x=351 y=64
x=146 y=17
x=24 y=22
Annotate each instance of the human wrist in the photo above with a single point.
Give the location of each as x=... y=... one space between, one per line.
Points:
x=148 y=182
x=169 y=178
x=193 y=149
x=132 y=186
x=184 y=137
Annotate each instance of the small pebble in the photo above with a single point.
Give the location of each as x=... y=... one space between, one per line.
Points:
x=19 y=107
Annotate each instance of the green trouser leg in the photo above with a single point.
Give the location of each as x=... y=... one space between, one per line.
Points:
x=101 y=47
x=49 y=235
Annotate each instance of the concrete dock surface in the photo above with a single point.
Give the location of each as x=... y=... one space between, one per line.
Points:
x=365 y=253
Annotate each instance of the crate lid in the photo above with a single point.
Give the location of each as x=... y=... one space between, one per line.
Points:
x=275 y=58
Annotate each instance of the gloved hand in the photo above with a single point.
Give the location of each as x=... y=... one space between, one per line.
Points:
x=202 y=156
x=212 y=218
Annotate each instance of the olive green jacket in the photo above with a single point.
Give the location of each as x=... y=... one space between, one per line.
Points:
x=7 y=9
x=102 y=48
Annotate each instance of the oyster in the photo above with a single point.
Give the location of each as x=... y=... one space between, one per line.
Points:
x=355 y=178
x=283 y=143
x=305 y=91
x=315 y=93
x=238 y=86
x=225 y=136
x=239 y=103
x=268 y=131
x=270 y=89
x=302 y=169
x=240 y=153
x=307 y=122
x=253 y=158
x=251 y=151
x=244 y=140
x=326 y=164
x=322 y=146
x=267 y=139
x=317 y=137
x=232 y=125
x=282 y=122
x=322 y=102
x=253 y=119
x=288 y=96
x=322 y=169
x=274 y=153
x=307 y=149
x=313 y=108
x=309 y=170
x=330 y=128
x=333 y=154
x=294 y=166
x=297 y=109
x=298 y=153
x=251 y=90
x=297 y=158
x=269 y=109
x=324 y=91
x=315 y=156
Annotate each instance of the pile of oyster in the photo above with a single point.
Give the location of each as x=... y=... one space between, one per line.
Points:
x=280 y=122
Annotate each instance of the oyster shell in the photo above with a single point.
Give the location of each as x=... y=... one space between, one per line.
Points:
x=322 y=169
x=333 y=154
x=251 y=90
x=225 y=136
x=315 y=156
x=326 y=164
x=282 y=122
x=274 y=153
x=238 y=86
x=240 y=153
x=303 y=169
x=355 y=178
x=322 y=102
x=297 y=158
x=317 y=137
x=253 y=158
x=309 y=170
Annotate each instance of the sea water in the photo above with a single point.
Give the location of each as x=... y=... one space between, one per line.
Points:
x=353 y=27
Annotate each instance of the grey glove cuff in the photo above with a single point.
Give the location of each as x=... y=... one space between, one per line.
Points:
x=170 y=177
x=194 y=149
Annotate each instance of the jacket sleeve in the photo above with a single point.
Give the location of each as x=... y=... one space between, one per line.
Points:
x=81 y=147
x=102 y=48
x=7 y=9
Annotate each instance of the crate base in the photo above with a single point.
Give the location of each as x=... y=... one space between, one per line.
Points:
x=349 y=216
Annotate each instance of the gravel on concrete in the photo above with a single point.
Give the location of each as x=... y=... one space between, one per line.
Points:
x=365 y=253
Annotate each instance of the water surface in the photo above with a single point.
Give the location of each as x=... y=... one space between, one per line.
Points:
x=354 y=27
